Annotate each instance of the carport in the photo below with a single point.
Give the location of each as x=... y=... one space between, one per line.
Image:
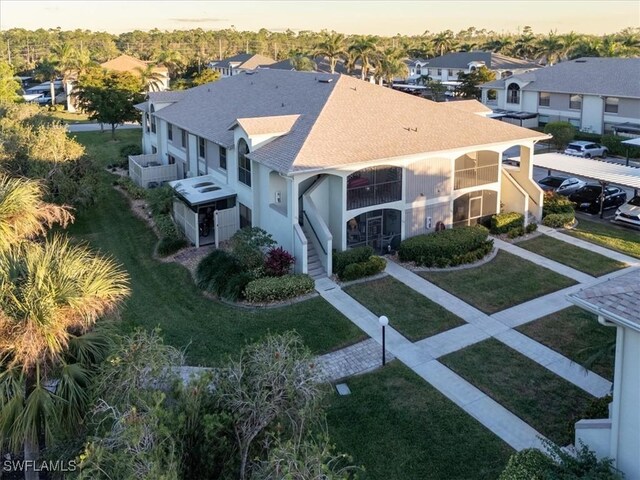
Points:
x=633 y=142
x=599 y=170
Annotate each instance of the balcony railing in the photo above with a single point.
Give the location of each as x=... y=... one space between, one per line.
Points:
x=376 y=194
x=472 y=177
x=147 y=170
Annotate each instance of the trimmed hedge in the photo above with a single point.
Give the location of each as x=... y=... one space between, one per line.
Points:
x=532 y=227
x=504 y=222
x=131 y=188
x=558 y=220
x=370 y=267
x=354 y=255
x=169 y=245
x=515 y=232
x=273 y=289
x=448 y=247
x=554 y=203
x=166 y=227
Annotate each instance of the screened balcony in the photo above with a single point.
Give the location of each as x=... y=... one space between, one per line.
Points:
x=374 y=186
x=477 y=168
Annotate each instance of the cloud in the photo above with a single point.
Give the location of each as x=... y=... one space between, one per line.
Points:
x=199 y=20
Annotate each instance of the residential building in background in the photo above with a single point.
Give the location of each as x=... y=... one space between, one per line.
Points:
x=240 y=63
x=596 y=95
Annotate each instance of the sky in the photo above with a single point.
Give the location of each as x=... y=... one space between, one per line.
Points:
x=377 y=17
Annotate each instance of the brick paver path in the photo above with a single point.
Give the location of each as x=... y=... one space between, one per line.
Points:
x=358 y=358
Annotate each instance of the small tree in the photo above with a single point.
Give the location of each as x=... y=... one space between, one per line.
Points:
x=273 y=382
x=562 y=133
x=109 y=97
x=9 y=86
x=206 y=76
x=437 y=89
x=469 y=82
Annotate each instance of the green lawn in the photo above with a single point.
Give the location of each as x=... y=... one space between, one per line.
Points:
x=505 y=281
x=542 y=399
x=68 y=117
x=572 y=256
x=611 y=236
x=409 y=312
x=577 y=335
x=104 y=150
x=164 y=294
x=400 y=428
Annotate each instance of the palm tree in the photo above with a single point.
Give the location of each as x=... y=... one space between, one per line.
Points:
x=150 y=78
x=570 y=42
x=364 y=49
x=390 y=65
x=47 y=71
x=51 y=295
x=550 y=48
x=173 y=60
x=23 y=213
x=610 y=47
x=302 y=63
x=524 y=45
x=629 y=38
x=444 y=42
x=66 y=61
x=332 y=46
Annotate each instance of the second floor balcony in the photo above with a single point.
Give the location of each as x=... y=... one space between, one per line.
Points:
x=374 y=186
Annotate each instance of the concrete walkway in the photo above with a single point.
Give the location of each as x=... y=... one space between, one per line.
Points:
x=422 y=356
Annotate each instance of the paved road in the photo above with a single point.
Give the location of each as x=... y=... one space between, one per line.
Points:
x=92 y=127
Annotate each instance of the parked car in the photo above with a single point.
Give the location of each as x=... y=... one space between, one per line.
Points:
x=586 y=149
x=588 y=198
x=561 y=185
x=629 y=212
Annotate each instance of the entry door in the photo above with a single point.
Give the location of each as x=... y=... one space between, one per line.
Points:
x=475 y=209
x=374 y=233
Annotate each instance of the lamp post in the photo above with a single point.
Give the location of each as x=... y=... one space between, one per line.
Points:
x=384 y=321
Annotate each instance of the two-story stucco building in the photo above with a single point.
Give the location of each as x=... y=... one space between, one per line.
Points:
x=597 y=95
x=327 y=161
x=447 y=67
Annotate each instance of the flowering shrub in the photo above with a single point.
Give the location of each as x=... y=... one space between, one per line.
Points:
x=278 y=262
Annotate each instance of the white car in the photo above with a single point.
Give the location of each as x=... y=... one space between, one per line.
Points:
x=586 y=149
x=629 y=212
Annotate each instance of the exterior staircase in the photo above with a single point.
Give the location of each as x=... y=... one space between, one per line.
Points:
x=314 y=267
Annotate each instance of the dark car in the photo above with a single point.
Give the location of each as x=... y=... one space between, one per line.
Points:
x=560 y=184
x=588 y=198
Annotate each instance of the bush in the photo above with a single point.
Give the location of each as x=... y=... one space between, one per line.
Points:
x=278 y=262
x=160 y=199
x=616 y=147
x=469 y=257
x=532 y=227
x=445 y=247
x=215 y=271
x=554 y=203
x=558 y=220
x=504 y=222
x=166 y=227
x=273 y=289
x=130 y=149
x=249 y=246
x=169 y=245
x=528 y=464
x=515 y=232
x=562 y=132
x=236 y=285
x=131 y=188
x=370 y=267
x=354 y=255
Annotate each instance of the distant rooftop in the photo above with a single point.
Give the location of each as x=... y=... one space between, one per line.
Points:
x=493 y=61
x=246 y=61
x=127 y=63
x=617 y=77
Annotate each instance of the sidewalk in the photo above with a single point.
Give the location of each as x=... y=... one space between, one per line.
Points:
x=421 y=357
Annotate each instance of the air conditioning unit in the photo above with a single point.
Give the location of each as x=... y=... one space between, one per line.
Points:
x=277 y=198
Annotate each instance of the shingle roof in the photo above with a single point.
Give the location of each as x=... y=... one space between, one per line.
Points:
x=127 y=63
x=342 y=121
x=166 y=97
x=473 y=106
x=619 y=296
x=264 y=125
x=494 y=61
x=617 y=77
x=248 y=61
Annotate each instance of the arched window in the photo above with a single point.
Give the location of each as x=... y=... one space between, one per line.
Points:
x=244 y=164
x=513 y=93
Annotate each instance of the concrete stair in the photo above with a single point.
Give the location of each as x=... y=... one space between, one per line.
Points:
x=314 y=267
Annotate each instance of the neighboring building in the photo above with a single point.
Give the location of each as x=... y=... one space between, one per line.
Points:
x=446 y=67
x=240 y=63
x=326 y=162
x=597 y=95
x=617 y=304
x=125 y=63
